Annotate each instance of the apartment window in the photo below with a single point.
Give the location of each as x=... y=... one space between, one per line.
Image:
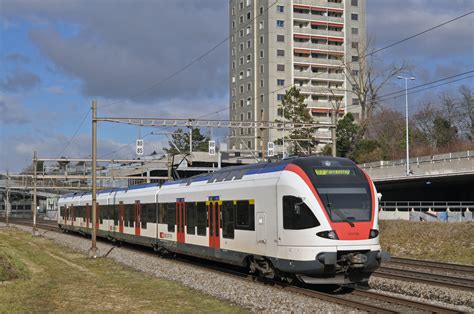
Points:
x=280 y=53
x=247 y=30
x=241 y=5
x=249 y=101
x=354 y=17
x=233 y=51
x=242 y=118
x=355 y=45
x=280 y=9
x=249 y=2
x=355 y=101
x=355 y=72
x=261 y=114
x=249 y=86
x=261 y=53
x=261 y=39
x=354 y=31
x=232 y=38
x=233 y=24
x=249 y=115
x=248 y=72
x=280 y=67
x=233 y=11
x=261 y=69
x=241 y=46
x=261 y=98
x=280 y=97
x=280 y=82
x=249 y=144
x=280 y=23
x=241 y=75
x=249 y=131
x=249 y=43
x=280 y=38
x=260 y=25
x=249 y=58
x=355 y=58
x=241 y=33
x=233 y=78
x=261 y=83
x=233 y=91
x=233 y=106
x=241 y=19
x=261 y=10
x=241 y=60
x=248 y=16
x=355 y=3
x=241 y=103
x=241 y=131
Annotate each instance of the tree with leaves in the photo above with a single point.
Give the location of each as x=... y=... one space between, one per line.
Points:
x=294 y=110
x=179 y=142
x=347 y=134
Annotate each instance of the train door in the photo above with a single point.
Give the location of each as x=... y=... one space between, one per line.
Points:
x=121 y=211
x=180 y=220
x=214 y=223
x=87 y=215
x=137 y=218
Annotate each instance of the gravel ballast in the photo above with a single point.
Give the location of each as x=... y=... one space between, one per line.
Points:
x=250 y=295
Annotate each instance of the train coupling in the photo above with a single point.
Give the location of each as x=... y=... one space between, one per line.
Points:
x=354 y=260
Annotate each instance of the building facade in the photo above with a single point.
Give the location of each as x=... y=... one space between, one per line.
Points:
x=277 y=43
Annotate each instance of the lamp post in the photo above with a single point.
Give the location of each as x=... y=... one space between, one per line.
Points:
x=406 y=118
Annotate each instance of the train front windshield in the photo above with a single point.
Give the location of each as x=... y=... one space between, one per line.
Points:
x=345 y=193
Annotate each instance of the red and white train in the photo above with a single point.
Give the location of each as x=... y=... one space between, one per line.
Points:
x=313 y=218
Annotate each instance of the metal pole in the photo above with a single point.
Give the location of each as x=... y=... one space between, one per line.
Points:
x=284 y=148
x=7 y=205
x=406 y=113
x=93 y=250
x=333 y=132
x=190 y=141
x=35 y=168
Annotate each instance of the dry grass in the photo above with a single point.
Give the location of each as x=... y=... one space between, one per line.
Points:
x=62 y=280
x=446 y=242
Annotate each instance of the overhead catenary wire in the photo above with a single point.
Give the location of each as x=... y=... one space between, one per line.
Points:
x=75 y=133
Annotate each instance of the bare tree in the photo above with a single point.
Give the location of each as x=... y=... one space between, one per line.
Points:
x=367 y=76
x=466 y=103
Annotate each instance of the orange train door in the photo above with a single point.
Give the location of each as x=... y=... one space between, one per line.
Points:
x=137 y=218
x=180 y=220
x=121 y=213
x=213 y=221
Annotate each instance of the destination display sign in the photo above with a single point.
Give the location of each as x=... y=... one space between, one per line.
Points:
x=333 y=172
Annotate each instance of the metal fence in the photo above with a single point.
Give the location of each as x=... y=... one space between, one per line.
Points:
x=437 y=206
x=420 y=160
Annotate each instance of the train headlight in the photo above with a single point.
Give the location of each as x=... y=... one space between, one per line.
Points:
x=331 y=234
x=373 y=233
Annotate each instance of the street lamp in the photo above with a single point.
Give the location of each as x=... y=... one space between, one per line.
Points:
x=406 y=114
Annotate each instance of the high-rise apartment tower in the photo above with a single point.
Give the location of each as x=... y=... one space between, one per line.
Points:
x=277 y=43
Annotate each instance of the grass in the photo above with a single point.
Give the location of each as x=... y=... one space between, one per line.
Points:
x=46 y=278
x=444 y=242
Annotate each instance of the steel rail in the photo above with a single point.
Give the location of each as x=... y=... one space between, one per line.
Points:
x=432 y=264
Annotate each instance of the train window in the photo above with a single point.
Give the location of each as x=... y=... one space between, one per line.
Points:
x=62 y=211
x=162 y=213
x=227 y=210
x=191 y=218
x=148 y=214
x=128 y=214
x=297 y=215
x=245 y=216
x=201 y=218
x=117 y=214
x=171 y=216
x=103 y=208
x=68 y=212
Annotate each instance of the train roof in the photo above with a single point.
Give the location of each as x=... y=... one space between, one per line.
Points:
x=237 y=172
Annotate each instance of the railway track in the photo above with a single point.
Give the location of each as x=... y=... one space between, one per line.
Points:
x=353 y=298
x=449 y=267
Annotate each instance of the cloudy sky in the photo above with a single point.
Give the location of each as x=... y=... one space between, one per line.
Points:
x=56 y=56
